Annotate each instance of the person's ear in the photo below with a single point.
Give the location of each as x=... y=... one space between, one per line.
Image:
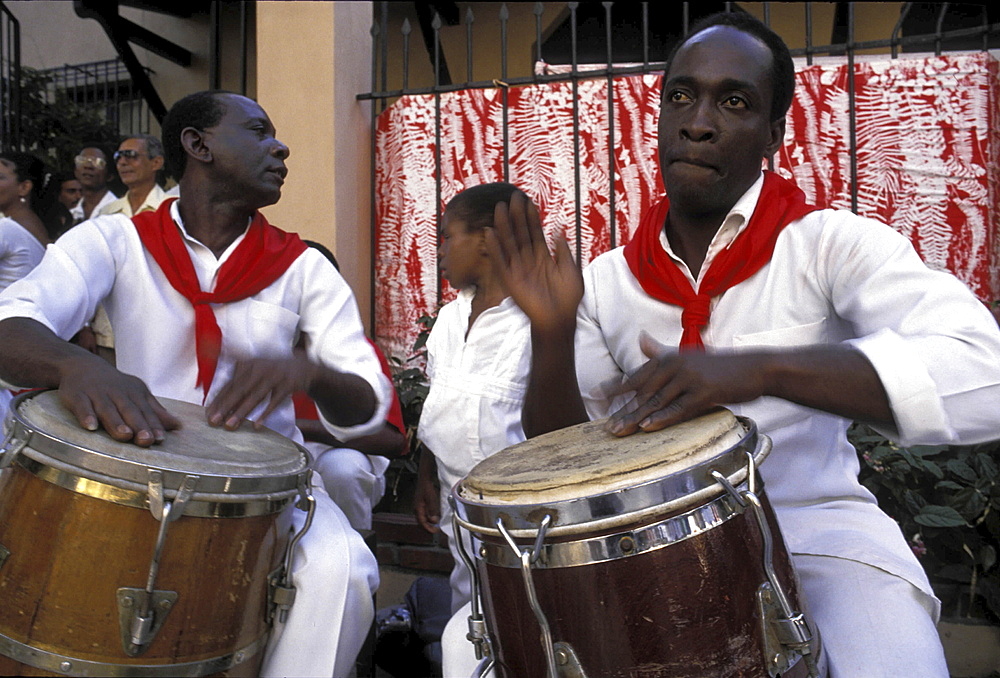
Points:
x=157 y=163
x=24 y=188
x=193 y=143
x=777 y=136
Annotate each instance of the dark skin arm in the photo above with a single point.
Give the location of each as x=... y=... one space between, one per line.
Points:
x=388 y=441
x=547 y=288
x=670 y=387
x=427 y=501
x=89 y=387
x=344 y=399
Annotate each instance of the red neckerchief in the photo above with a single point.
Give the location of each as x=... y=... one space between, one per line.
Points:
x=780 y=203
x=261 y=258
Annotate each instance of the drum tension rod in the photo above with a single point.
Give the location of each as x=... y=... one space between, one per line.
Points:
x=141 y=612
x=281 y=591
x=478 y=634
x=560 y=659
x=790 y=625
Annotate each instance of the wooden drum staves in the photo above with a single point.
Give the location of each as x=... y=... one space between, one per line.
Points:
x=117 y=560
x=651 y=556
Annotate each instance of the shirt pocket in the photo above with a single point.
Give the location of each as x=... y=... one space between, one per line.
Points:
x=272 y=330
x=796 y=335
x=774 y=413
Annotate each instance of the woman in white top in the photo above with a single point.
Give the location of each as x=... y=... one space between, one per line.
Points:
x=22 y=234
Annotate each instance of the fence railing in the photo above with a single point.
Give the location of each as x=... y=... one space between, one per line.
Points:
x=605 y=40
x=10 y=78
x=105 y=88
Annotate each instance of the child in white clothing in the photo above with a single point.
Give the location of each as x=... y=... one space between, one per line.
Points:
x=478 y=360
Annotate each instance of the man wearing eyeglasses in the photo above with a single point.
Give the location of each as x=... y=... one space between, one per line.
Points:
x=138 y=160
x=91 y=170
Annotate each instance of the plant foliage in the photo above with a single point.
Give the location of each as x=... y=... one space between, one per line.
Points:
x=946 y=500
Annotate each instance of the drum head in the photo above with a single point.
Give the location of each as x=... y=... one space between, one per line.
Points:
x=584 y=478
x=585 y=460
x=225 y=461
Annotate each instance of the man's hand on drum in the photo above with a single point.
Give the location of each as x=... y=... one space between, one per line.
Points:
x=101 y=396
x=547 y=287
x=257 y=380
x=673 y=387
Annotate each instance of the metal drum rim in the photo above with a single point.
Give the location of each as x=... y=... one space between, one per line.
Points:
x=588 y=513
x=50 y=450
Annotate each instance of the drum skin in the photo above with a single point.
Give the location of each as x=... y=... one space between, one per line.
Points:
x=69 y=553
x=687 y=610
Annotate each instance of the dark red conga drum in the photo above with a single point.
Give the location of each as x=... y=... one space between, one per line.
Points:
x=651 y=556
x=117 y=560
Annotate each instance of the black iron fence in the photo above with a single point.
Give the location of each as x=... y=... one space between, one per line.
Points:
x=10 y=77
x=412 y=44
x=103 y=88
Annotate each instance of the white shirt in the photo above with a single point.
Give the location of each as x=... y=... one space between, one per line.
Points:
x=20 y=251
x=122 y=205
x=77 y=209
x=834 y=278
x=477 y=382
x=104 y=260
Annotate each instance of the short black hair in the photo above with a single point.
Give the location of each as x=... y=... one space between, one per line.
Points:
x=200 y=110
x=475 y=205
x=782 y=67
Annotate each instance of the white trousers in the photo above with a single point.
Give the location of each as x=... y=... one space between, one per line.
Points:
x=872 y=624
x=354 y=480
x=335 y=575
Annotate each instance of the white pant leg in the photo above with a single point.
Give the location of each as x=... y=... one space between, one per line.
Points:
x=872 y=624
x=354 y=480
x=335 y=575
x=458 y=655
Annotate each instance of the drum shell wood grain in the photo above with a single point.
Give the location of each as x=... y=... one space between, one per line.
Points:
x=69 y=553
x=687 y=609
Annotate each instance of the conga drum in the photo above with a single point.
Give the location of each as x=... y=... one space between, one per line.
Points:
x=117 y=560
x=651 y=556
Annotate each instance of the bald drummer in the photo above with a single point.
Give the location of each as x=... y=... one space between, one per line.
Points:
x=800 y=318
x=265 y=289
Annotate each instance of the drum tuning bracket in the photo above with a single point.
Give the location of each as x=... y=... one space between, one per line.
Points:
x=280 y=590
x=12 y=447
x=478 y=633
x=786 y=631
x=560 y=658
x=141 y=612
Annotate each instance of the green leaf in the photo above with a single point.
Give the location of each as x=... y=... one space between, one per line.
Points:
x=933 y=515
x=948 y=485
x=961 y=469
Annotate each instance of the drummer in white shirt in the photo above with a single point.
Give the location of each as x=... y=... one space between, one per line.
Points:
x=837 y=320
x=223 y=148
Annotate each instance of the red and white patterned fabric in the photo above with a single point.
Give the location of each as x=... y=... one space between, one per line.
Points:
x=927 y=134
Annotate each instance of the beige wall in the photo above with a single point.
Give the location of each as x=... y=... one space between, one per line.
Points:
x=313 y=58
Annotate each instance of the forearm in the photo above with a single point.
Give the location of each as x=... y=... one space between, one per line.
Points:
x=552 y=400
x=835 y=379
x=33 y=356
x=344 y=399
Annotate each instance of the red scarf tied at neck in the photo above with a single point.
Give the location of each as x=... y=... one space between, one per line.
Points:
x=261 y=258
x=780 y=203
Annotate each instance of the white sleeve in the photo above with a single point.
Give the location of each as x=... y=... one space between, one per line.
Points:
x=75 y=274
x=596 y=368
x=935 y=347
x=335 y=338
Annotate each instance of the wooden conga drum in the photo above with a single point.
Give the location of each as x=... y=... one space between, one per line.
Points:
x=117 y=560
x=651 y=556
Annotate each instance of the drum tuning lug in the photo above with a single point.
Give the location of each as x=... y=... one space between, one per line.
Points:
x=141 y=616
x=65 y=667
x=11 y=447
x=567 y=663
x=4 y=554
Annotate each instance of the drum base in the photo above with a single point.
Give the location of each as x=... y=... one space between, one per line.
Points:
x=688 y=610
x=70 y=553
